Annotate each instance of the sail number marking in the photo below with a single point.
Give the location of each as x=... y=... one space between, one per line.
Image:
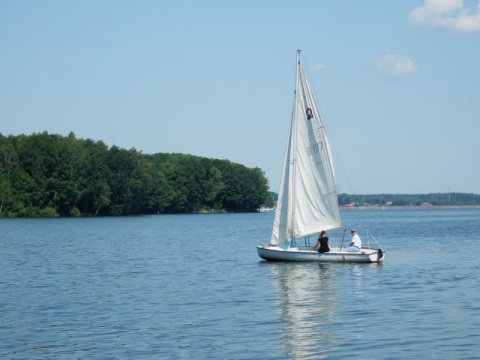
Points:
x=309 y=114
x=315 y=148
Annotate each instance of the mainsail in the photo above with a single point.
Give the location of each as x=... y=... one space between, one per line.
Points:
x=307 y=199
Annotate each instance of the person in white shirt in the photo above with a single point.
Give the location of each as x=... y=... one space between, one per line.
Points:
x=356 y=243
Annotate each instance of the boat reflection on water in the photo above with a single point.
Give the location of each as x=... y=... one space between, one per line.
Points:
x=307 y=299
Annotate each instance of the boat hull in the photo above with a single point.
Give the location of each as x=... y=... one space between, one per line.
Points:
x=275 y=253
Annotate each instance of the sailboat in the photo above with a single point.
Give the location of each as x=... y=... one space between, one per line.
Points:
x=307 y=198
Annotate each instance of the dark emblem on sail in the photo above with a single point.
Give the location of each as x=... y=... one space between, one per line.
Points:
x=309 y=114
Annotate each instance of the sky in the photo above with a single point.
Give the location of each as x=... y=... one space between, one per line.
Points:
x=397 y=82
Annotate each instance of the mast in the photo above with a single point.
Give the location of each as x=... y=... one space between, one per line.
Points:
x=293 y=159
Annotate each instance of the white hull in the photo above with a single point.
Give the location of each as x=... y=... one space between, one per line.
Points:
x=276 y=253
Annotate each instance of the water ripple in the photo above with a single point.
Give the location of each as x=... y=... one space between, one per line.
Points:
x=183 y=287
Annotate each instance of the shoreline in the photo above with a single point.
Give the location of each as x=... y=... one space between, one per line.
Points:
x=410 y=207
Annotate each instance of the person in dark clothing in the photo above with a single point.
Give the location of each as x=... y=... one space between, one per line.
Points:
x=322 y=243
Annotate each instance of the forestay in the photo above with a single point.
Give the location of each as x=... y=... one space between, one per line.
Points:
x=307 y=200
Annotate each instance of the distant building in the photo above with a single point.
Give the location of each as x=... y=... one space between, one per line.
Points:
x=389 y=203
x=425 y=204
x=352 y=204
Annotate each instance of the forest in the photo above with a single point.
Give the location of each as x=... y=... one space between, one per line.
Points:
x=49 y=175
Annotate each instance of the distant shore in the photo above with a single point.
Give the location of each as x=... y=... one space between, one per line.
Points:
x=410 y=207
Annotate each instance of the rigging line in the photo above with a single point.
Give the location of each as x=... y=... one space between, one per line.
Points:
x=325 y=124
x=369 y=232
x=342 y=167
x=315 y=104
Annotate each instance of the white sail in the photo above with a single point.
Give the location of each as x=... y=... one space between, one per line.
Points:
x=307 y=199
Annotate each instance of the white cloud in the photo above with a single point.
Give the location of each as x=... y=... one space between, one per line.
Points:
x=395 y=65
x=319 y=67
x=448 y=14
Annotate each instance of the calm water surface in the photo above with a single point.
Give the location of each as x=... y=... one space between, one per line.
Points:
x=193 y=287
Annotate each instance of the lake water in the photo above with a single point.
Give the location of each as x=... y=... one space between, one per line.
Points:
x=193 y=287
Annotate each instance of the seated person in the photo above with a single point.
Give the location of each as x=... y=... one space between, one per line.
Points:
x=322 y=243
x=356 y=243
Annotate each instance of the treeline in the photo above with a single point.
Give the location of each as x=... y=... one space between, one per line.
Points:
x=435 y=199
x=48 y=175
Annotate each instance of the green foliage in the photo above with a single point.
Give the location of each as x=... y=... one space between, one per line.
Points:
x=47 y=175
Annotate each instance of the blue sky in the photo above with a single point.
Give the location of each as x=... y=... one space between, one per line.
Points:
x=397 y=82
